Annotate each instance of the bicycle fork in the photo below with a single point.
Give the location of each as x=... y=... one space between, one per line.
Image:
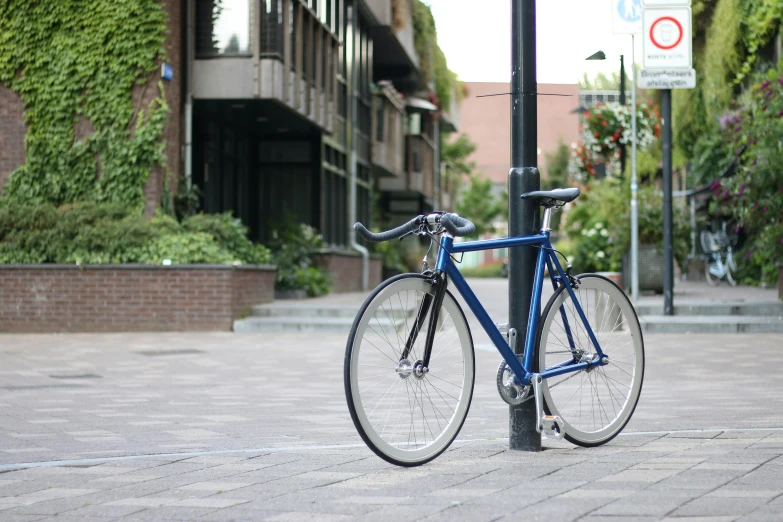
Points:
x=433 y=303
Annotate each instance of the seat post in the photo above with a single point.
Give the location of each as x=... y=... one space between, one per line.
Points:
x=545 y=223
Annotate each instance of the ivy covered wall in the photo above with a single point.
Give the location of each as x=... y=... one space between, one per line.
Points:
x=94 y=110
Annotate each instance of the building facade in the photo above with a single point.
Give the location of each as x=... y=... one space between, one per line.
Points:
x=291 y=109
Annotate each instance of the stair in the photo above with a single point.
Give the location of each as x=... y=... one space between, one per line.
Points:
x=303 y=316
x=713 y=317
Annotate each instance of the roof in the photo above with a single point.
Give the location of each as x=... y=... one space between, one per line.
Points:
x=487 y=121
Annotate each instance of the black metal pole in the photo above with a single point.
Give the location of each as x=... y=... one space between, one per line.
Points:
x=622 y=102
x=668 y=257
x=522 y=214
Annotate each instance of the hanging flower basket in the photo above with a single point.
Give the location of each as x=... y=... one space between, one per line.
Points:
x=606 y=128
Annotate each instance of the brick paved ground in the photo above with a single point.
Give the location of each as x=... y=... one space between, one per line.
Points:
x=251 y=427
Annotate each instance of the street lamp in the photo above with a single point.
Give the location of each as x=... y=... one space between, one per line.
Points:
x=600 y=55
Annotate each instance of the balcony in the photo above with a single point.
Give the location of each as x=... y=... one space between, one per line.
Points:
x=421 y=165
x=388 y=125
x=280 y=50
x=395 y=56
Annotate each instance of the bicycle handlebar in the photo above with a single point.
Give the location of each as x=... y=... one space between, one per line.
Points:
x=457 y=226
x=454 y=225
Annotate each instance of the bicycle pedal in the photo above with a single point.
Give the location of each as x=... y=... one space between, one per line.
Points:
x=552 y=427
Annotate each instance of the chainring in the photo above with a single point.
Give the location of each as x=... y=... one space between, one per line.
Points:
x=510 y=392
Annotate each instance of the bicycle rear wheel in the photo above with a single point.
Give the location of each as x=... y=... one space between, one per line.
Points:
x=595 y=404
x=405 y=415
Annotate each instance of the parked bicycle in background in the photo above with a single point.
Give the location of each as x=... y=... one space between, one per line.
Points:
x=718 y=254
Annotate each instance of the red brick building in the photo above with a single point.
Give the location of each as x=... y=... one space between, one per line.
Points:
x=488 y=123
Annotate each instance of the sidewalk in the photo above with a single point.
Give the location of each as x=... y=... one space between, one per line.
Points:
x=220 y=427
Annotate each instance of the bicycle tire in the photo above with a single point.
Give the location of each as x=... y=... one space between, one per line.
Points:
x=711 y=279
x=613 y=377
x=438 y=387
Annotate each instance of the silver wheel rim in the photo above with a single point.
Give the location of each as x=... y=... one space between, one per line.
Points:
x=595 y=404
x=407 y=416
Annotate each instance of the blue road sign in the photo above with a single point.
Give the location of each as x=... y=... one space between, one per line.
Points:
x=630 y=10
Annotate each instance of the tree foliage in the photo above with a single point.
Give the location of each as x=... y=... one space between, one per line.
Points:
x=478 y=204
x=432 y=61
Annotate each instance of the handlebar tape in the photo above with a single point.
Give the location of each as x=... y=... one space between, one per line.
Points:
x=394 y=233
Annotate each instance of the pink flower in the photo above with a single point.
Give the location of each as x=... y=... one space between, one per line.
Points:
x=780 y=114
x=766 y=207
x=741 y=190
x=765 y=84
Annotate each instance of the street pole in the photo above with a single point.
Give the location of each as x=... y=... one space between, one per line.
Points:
x=522 y=214
x=668 y=260
x=622 y=102
x=634 y=184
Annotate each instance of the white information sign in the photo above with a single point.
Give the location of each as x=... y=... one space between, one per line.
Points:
x=666 y=38
x=666 y=3
x=667 y=79
x=626 y=16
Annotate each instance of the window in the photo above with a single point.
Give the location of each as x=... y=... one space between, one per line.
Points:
x=271 y=27
x=223 y=27
x=380 y=102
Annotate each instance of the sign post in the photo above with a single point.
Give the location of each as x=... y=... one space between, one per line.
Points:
x=667 y=62
x=627 y=19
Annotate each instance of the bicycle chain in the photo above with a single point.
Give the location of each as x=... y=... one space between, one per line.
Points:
x=553 y=386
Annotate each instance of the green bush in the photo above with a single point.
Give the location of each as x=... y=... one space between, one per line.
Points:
x=183 y=249
x=487 y=270
x=106 y=233
x=292 y=245
x=599 y=231
x=231 y=234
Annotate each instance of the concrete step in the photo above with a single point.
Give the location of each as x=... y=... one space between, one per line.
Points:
x=311 y=324
x=710 y=308
x=711 y=324
x=299 y=309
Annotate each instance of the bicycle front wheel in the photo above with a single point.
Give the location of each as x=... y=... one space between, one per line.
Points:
x=406 y=415
x=595 y=404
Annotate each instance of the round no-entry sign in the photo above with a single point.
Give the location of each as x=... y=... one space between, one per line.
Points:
x=667 y=38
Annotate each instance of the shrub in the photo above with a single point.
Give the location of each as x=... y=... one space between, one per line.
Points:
x=292 y=245
x=231 y=234
x=105 y=233
x=183 y=249
x=487 y=270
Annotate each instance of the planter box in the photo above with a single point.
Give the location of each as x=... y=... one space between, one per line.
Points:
x=780 y=281
x=345 y=269
x=650 y=269
x=124 y=298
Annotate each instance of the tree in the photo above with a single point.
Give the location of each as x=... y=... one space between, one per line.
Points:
x=557 y=167
x=478 y=205
x=455 y=155
x=233 y=45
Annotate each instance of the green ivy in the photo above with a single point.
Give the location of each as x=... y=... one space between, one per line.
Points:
x=75 y=63
x=432 y=60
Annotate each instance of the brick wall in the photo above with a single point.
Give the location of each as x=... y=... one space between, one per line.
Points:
x=12 y=133
x=345 y=270
x=117 y=298
x=172 y=131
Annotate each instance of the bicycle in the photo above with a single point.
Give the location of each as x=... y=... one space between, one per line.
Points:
x=409 y=366
x=718 y=256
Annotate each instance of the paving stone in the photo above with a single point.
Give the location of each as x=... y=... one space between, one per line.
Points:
x=227 y=399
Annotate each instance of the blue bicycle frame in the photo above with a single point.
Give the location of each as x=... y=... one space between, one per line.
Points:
x=546 y=257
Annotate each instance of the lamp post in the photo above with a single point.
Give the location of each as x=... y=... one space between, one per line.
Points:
x=600 y=55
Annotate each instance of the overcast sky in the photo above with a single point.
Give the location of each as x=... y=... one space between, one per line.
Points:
x=475 y=35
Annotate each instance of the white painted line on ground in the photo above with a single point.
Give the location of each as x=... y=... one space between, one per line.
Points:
x=104 y=460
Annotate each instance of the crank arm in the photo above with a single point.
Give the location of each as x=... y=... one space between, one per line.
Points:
x=551 y=426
